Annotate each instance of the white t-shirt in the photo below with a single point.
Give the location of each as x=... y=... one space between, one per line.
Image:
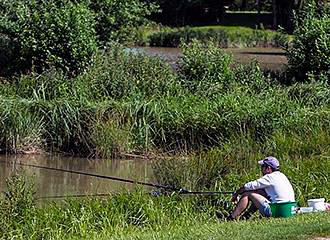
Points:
x=276 y=185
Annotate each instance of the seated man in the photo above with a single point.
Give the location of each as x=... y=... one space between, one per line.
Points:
x=272 y=187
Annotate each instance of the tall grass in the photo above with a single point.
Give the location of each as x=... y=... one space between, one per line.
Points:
x=135 y=103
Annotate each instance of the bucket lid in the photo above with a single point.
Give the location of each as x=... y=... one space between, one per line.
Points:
x=316 y=200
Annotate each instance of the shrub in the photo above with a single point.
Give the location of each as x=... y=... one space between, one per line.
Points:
x=111 y=136
x=118 y=74
x=205 y=70
x=116 y=19
x=310 y=94
x=251 y=78
x=50 y=33
x=21 y=131
x=309 y=55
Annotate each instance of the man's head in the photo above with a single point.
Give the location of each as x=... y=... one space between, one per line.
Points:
x=269 y=165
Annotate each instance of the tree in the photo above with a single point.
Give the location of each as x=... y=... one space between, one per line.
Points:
x=46 y=33
x=116 y=18
x=308 y=56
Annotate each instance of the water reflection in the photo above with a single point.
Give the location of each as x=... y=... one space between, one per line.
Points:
x=56 y=183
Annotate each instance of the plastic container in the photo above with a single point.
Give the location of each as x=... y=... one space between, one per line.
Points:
x=283 y=209
x=317 y=204
x=306 y=210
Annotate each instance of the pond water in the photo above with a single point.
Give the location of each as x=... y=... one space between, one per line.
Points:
x=50 y=183
x=269 y=58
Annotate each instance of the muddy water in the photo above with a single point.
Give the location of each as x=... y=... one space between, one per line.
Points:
x=269 y=58
x=56 y=183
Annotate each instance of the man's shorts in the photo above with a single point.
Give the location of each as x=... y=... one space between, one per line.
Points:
x=264 y=209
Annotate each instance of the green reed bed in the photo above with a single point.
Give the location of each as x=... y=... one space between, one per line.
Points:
x=224 y=36
x=132 y=103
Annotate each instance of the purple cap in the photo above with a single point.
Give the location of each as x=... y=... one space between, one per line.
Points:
x=270 y=161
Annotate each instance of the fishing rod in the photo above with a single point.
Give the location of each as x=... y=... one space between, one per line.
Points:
x=165 y=187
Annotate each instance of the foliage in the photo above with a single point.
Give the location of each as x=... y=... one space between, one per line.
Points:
x=117 y=18
x=223 y=36
x=119 y=74
x=309 y=55
x=130 y=102
x=18 y=206
x=111 y=137
x=205 y=70
x=197 y=171
x=49 y=33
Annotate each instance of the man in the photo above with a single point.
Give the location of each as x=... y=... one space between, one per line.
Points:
x=272 y=187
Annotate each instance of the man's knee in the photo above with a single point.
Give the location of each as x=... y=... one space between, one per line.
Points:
x=250 y=193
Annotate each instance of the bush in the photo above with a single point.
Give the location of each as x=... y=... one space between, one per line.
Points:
x=118 y=74
x=309 y=55
x=251 y=78
x=205 y=70
x=50 y=33
x=116 y=19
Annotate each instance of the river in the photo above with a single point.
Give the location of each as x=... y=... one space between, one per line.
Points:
x=269 y=58
x=50 y=183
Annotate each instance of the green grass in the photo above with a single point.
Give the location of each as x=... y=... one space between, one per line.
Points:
x=224 y=36
x=296 y=228
x=227 y=28
x=137 y=215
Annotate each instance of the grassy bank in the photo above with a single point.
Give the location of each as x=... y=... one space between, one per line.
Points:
x=224 y=36
x=139 y=215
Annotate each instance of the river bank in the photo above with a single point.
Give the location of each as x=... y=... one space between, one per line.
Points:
x=137 y=215
x=132 y=103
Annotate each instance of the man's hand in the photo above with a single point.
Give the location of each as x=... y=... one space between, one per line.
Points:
x=234 y=197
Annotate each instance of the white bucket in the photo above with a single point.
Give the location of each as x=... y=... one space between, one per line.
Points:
x=317 y=204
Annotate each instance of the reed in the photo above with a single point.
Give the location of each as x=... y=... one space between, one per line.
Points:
x=130 y=102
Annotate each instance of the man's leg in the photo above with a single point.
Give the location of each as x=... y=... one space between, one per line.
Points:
x=256 y=197
x=249 y=212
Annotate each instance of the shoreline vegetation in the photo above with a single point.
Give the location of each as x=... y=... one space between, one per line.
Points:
x=131 y=103
x=211 y=119
x=224 y=36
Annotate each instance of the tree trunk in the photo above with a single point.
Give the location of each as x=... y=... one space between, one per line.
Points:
x=244 y=4
x=274 y=5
